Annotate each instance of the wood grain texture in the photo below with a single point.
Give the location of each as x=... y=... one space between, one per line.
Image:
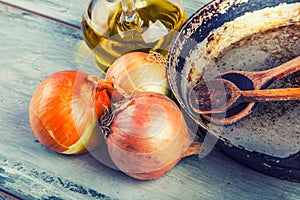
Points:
x=69 y=11
x=33 y=48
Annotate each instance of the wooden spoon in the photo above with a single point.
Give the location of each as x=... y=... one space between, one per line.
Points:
x=252 y=81
x=220 y=95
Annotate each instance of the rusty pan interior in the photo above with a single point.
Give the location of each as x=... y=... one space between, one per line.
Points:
x=248 y=35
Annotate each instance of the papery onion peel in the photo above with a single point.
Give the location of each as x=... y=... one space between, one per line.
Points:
x=65 y=108
x=148 y=135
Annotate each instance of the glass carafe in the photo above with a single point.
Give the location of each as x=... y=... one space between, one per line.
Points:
x=112 y=28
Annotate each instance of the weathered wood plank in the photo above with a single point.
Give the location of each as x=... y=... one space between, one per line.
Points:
x=33 y=48
x=69 y=11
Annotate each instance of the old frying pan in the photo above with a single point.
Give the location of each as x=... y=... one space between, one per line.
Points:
x=248 y=35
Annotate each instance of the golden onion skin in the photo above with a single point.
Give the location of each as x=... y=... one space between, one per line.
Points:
x=139 y=71
x=149 y=136
x=65 y=108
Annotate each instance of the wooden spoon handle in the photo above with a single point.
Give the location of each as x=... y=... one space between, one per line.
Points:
x=271 y=95
x=278 y=72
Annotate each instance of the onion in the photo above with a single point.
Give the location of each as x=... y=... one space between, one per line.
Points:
x=147 y=135
x=139 y=71
x=65 y=108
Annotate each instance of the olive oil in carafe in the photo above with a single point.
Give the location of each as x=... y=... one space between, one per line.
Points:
x=109 y=37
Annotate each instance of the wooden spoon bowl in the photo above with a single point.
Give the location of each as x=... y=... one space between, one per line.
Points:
x=220 y=95
x=245 y=80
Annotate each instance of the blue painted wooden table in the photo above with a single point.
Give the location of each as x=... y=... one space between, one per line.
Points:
x=39 y=38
